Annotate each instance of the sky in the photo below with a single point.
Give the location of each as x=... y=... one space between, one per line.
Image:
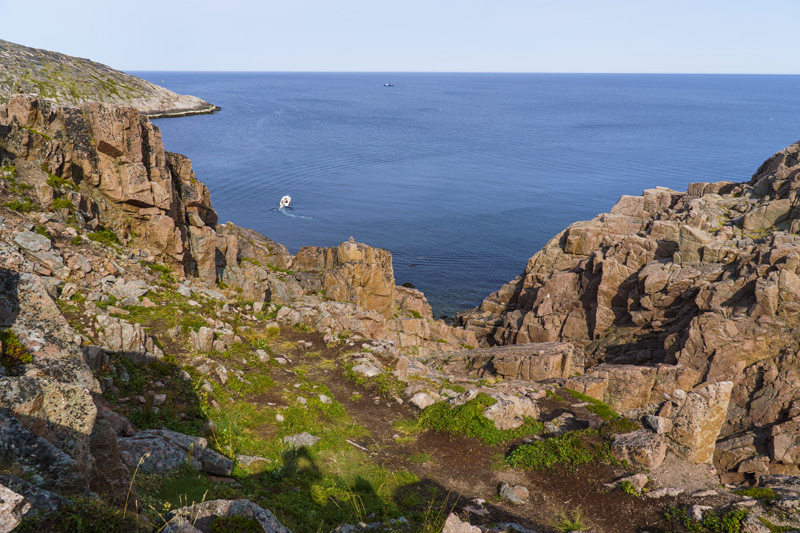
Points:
x=630 y=36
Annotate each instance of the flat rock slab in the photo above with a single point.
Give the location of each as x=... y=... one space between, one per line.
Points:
x=33 y=242
x=201 y=516
x=301 y=439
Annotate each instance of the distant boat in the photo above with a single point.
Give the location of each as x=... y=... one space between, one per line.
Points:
x=285 y=201
x=388 y=85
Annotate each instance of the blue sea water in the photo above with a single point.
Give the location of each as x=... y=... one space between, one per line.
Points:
x=464 y=176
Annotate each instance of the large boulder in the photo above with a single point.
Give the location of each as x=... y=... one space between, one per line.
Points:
x=697 y=423
x=161 y=451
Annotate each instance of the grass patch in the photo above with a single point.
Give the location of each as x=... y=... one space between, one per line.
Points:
x=568 y=450
x=572 y=521
x=61 y=203
x=86 y=516
x=468 y=420
x=420 y=458
x=618 y=426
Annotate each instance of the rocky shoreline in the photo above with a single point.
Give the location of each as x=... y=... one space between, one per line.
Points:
x=645 y=360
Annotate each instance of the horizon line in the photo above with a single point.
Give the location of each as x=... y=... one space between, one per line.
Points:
x=466 y=72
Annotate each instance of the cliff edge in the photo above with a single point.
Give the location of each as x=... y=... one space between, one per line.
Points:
x=69 y=80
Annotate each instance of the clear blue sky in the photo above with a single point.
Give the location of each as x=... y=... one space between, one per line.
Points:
x=671 y=36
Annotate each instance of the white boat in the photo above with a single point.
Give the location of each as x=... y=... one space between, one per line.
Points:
x=285 y=201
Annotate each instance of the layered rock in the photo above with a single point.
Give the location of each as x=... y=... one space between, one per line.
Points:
x=705 y=282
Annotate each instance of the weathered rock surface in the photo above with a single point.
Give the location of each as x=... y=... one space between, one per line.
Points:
x=161 y=451
x=201 y=516
x=73 y=80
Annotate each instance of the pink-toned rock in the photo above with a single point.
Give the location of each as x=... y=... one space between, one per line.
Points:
x=696 y=425
x=642 y=449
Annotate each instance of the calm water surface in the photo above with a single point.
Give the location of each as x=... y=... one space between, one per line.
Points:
x=464 y=176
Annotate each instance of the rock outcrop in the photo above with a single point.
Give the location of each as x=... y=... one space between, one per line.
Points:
x=71 y=80
x=704 y=282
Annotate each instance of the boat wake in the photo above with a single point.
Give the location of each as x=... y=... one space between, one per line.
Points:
x=285 y=210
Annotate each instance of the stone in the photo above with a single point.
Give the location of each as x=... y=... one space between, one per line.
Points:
x=516 y=494
x=534 y=362
x=697 y=423
x=33 y=242
x=642 y=449
x=301 y=439
x=201 y=516
x=454 y=525
x=12 y=508
x=250 y=460
x=421 y=400
x=636 y=481
x=203 y=339
x=161 y=451
x=366 y=369
x=42 y=502
x=672 y=492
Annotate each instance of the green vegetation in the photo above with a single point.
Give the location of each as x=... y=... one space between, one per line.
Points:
x=730 y=522
x=251 y=260
x=86 y=516
x=58 y=182
x=762 y=494
x=599 y=408
x=14 y=353
x=567 y=522
x=37 y=132
x=21 y=206
x=468 y=420
x=61 y=203
x=617 y=426
x=384 y=383
x=773 y=528
x=628 y=488
x=420 y=458
x=42 y=231
x=568 y=450
x=105 y=236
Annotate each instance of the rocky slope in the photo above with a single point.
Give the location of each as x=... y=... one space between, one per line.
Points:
x=71 y=80
x=154 y=357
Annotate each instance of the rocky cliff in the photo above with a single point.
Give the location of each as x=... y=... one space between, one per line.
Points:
x=69 y=80
x=704 y=280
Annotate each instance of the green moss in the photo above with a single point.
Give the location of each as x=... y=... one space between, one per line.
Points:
x=38 y=132
x=41 y=231
x=762 y=494
x=415 y=314
x=599 y=408
x=250 y=260
x=617 y=426
x=468 y=420
x=773 y=528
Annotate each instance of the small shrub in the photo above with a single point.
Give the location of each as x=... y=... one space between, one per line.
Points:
x=628 y=488
x=14 y=353
x=250 y=260
x=566 y=522
x=415 y=314
x=105 y=236
x=58 y=182
x=468 y=420
x=568 y=450
x=21 y=206
x=42 y=231
x=77 y=240
x=61 y=203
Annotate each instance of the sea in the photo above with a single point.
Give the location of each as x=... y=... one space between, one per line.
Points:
x=464 y=176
